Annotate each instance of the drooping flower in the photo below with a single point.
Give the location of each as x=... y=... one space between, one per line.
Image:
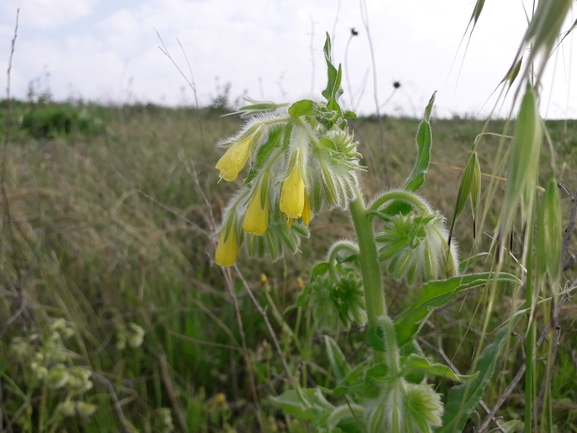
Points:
x=292 y=196
x=234 y=159
x=227 y=248
x=256 y=217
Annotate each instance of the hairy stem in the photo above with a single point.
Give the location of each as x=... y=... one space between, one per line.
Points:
x=374 y=294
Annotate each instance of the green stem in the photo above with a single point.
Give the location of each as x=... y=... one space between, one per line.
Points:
x=374 y=294
x=406 y=196
x=343 y=245
x=530 y=344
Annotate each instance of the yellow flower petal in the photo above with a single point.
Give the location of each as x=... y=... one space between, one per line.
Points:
x=256 y=217
x=227 y=249
x=292 y=196
x=307 y=212
x=234 y=160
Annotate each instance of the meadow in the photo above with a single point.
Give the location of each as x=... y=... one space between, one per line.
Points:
x=114 y=316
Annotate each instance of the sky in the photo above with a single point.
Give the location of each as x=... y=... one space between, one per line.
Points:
x=109 y=52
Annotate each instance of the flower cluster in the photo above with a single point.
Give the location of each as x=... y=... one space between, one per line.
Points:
x=301 y=158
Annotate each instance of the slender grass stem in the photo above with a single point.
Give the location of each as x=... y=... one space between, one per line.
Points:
x=530 y=341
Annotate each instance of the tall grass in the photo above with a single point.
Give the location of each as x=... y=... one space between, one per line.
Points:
x=111 y=230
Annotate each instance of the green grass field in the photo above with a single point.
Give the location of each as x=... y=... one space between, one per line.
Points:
x=107 y=224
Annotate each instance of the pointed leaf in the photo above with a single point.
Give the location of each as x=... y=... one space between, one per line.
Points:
x=419 y=364
x=424 y=143
x=463 y=399
x=307 y=404
x=468 y=188
x=338 y=361
x=332 y=73
x=354 y=381
x=437 y=293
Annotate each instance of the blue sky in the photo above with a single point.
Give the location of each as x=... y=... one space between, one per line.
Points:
x=108 y=51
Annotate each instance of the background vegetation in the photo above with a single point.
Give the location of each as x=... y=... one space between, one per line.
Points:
x=107 y=215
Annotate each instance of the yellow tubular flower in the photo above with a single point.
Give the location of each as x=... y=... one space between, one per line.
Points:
x=307 y=212
x=227 y=249
x=256 y=218
x=234 y=159
x=292 y=196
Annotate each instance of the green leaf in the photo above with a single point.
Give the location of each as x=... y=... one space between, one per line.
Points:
x=429 y=107
x=419 y=364
x=302 y=300
x=338 y=361
x=424 y=143
x=469 y=187
x=258 y=106
x=327 y=143
x=354 y=381
x=264 y=152
x=470 y=261
x=437 y=293
x=320 y=269
x=463 y=399
x=333 y=90
x=376 y=339
x=346 y=419
x=307 y=404
x=395 y=208
x=302 y=108
x=375 y=377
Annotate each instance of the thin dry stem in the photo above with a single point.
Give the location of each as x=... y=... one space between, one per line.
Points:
x=189 y=81
x=490 y=417
x=117 y=405
x=230 y=286
x=7 y=216
x=262 y=311
x=171 y=393
x=365 y=18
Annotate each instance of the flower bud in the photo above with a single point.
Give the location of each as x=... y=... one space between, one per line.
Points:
x=57 y=377
x=85 y=409
x=66 y=408
x=135 y=335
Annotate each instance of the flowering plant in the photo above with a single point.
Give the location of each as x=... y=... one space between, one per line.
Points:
x=302 y=158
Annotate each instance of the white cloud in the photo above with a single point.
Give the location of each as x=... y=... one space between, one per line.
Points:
x=48 y=14
x=107 y=50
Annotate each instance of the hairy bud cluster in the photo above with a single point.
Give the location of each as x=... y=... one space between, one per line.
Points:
x=416 y=247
